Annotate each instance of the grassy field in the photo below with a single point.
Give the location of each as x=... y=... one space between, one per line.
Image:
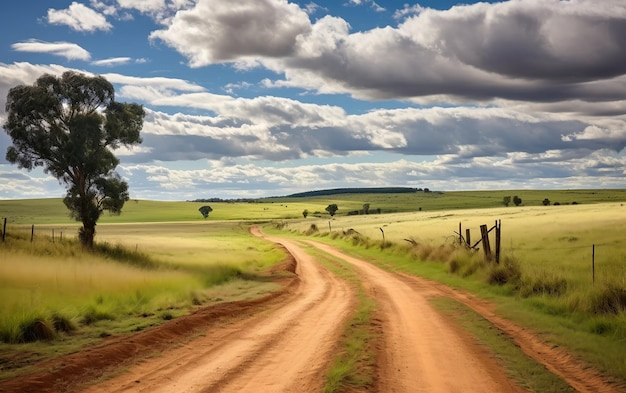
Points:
x=545 y=279
x=139 y=275
x=159 y=259
x=52 y=211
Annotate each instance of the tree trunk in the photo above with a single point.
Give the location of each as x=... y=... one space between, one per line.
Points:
x=87 y=233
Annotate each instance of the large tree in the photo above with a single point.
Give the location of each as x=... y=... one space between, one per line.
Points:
x=70 y=125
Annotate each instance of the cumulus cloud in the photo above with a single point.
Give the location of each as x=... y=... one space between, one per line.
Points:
x=79 y=17
x=533 y=51
x=68 y=50
x=215 y=31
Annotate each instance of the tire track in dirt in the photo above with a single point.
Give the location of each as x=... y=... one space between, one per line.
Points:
x=421 y=352
x=577 y=374
x=286 y=349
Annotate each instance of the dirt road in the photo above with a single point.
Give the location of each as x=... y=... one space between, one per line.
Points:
x=284 y=349
x=422 y=353
x=287 y=343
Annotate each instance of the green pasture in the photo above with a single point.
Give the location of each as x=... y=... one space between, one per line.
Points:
x=547 y=239
x=52 y=210
x=545 y=280
x=140 y=275
x=158 y=260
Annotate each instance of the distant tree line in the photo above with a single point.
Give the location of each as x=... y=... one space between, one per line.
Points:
x=373 y=190
x=238 y=200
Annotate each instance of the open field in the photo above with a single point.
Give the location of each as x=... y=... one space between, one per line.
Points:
x=52 y=211
x=553 y=238
x=172 y=259
x=141 y=275
x=546 y=249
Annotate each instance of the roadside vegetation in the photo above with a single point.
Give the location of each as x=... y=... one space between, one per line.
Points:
x=58 y=297
x=353 y=368
x=160 y=260
x=544 y=280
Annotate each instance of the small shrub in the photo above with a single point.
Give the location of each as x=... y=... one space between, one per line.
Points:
x=312 y=229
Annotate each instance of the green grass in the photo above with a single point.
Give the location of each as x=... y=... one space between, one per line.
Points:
x=58 y=297
x=122 y=289
x=53 y=211
x=353 y=367
x=555 y=298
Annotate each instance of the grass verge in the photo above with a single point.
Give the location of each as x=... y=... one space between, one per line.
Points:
x=590 y=322
x=353 y=367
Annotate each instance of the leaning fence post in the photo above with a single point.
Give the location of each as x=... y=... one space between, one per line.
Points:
x=485 y=239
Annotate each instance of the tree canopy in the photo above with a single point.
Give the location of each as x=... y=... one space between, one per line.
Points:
x=332 y=209
x=70 y=125
x=205 y=210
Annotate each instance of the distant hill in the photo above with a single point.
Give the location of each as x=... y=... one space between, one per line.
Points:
x=374 y=190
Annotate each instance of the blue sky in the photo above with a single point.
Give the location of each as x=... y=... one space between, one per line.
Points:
x=252 y=98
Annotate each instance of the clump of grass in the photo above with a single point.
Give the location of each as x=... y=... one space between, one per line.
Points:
x=609 y=298
x=37 y=329
x=62 y=323
x=465 y=263
x=545 y=283
x=506 y=272
x=312 y=229
x=93 y=314
x=34 y=326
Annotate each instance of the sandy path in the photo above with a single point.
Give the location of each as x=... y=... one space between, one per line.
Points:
x=422 y=352
x=286 y=349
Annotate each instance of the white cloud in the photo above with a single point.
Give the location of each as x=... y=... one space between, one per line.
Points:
x=526 y=50
x=79 y=17
x=112 y=62
x=68 y=50
x=215 y=31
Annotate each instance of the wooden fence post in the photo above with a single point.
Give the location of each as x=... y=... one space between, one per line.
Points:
x=32 y=233
x=498 y=238
x=383 y=232
x=52 y=235
x=484 y=232
x=460 y=234
x=467 y=237
x=593 y=264
x=4 y=228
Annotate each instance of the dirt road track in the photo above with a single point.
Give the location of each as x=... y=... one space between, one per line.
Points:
x=431 y=349
x=286 y=349
x=422 y=352
x=287 y=343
